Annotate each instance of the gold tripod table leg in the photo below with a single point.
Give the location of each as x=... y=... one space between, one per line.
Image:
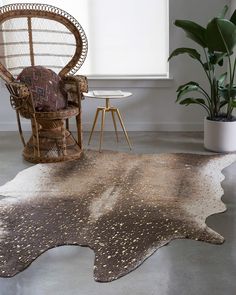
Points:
x=114 y=123
x=94 y=124
x=123 y=127
x=102 y=128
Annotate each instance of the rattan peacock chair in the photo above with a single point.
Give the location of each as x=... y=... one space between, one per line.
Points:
x=41 y=48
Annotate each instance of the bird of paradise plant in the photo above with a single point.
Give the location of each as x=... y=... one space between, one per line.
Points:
x=217 y=41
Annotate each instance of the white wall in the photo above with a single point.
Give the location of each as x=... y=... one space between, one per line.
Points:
x=150 y=108
x=233 y=5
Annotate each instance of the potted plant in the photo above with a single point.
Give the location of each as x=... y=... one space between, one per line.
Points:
x=217 y=41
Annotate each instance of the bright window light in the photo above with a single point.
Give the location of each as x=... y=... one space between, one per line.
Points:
x=126 y=38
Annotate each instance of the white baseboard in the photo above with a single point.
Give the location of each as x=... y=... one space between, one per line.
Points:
x=139 y=126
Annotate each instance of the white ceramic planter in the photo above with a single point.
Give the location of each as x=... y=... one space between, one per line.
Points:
x=220 y=136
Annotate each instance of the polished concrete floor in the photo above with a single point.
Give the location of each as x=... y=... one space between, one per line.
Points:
x=184 y=267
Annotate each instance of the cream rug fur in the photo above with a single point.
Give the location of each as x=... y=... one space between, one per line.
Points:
x=123 y=206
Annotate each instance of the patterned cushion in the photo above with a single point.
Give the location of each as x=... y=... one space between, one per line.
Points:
x=45 y=87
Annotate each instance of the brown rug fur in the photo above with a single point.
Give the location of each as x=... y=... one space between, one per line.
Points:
x=123 y=206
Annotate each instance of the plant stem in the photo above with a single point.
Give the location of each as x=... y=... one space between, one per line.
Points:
x=208 y=63
x=231 y=76
x=209 y=76
x=205 y=93
x=229 y=108
x=234 y=67
x=232 y=82
x=206 y=108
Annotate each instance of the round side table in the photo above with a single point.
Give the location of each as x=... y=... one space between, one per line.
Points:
x=108 y=108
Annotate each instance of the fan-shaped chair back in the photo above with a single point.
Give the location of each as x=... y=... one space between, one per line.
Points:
x=40 y=34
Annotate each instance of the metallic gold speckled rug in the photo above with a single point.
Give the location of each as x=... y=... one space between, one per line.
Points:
x=123 y=206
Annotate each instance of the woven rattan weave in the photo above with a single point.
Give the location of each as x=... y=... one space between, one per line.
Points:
x=40 y=34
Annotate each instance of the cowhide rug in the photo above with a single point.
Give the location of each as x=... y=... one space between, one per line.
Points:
x=123 y=206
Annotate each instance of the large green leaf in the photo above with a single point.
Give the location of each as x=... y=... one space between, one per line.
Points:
x=217 y=58
x=188 y=101
x=233 y=17
x=183 y=50
x=193 y=31
x=186 y=89
x=221 y=35
x=186 y=85
x=222 y=78
x=227 y=93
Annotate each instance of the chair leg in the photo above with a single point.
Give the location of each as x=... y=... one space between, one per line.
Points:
x=102 y=128
x=123 y=127
x=114 y=123
x=63 y=132
x=67 y=124
x=35 y=131
x=79 y=130
x=94 y=124
x=19 y=128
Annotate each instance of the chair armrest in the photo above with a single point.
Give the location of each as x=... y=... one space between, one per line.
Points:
x=21 y=98
x=75 y=84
